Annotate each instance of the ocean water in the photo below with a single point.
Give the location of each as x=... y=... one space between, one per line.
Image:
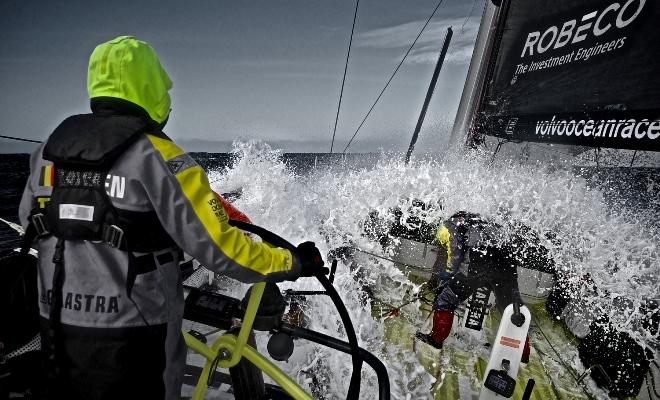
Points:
x=14 y=170
x=605 y=223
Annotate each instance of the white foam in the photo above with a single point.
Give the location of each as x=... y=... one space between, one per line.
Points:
x=328 y=204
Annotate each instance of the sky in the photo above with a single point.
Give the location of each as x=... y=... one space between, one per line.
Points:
x=268 y=70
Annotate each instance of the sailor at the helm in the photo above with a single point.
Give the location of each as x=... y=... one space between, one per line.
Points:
x=113 y=199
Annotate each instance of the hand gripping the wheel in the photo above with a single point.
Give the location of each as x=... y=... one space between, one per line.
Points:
x=307 y=261
x=311 y=263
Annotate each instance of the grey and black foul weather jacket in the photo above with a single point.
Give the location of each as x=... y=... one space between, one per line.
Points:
x=115 y=200
x=464 y=235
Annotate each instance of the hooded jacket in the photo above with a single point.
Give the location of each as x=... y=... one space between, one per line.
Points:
x=108 y=351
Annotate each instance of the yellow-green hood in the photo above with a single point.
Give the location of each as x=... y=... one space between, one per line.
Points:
x=129 y=69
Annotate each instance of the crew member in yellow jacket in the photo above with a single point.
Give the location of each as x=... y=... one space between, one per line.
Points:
x=477 y=253
x=114 y=201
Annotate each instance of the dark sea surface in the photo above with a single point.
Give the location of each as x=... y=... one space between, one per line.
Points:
x=14 y=170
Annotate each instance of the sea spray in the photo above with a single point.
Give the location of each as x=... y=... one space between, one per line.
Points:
x=329 y=204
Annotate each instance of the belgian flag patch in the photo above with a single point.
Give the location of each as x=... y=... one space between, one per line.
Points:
x=47 y=177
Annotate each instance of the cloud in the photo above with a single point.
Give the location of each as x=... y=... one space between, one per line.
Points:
x=428 y=46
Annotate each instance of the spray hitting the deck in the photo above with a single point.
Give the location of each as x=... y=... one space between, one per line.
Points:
x=328 y=205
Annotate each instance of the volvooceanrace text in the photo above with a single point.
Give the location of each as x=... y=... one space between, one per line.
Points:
x=611 y=128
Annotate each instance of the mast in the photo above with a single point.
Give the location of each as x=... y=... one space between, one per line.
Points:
x=429 y=93
x=474 y=83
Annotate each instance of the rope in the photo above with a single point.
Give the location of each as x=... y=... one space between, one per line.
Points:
x=650 y=373
x=497 y=149
x=429 y=289
x=566 y=366
x=392 y=76
x=359 y=250
x=419 y=296
x=569 y=369
x=633 y=158
x=343 y=80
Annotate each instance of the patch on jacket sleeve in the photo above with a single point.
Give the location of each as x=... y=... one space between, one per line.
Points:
x=180 y=163
x=47 y=176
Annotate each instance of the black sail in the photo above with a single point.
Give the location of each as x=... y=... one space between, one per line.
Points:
x=582 y=72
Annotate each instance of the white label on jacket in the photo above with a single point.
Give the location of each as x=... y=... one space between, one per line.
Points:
x=76 y=211
x=115 y=186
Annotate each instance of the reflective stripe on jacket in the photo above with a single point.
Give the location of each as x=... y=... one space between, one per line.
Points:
x=461 y=233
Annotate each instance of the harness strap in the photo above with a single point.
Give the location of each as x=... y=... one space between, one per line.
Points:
x=28 y=237
x=54 y=317
x=112 y=235
x=38 y=223
x=131 y=275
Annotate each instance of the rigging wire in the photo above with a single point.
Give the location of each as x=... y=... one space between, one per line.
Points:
x=20 y=139
x=467 y=18
x=343 y=80
x=392 y=76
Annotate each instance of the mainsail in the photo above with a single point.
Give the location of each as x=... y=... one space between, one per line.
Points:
x=573 y=72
